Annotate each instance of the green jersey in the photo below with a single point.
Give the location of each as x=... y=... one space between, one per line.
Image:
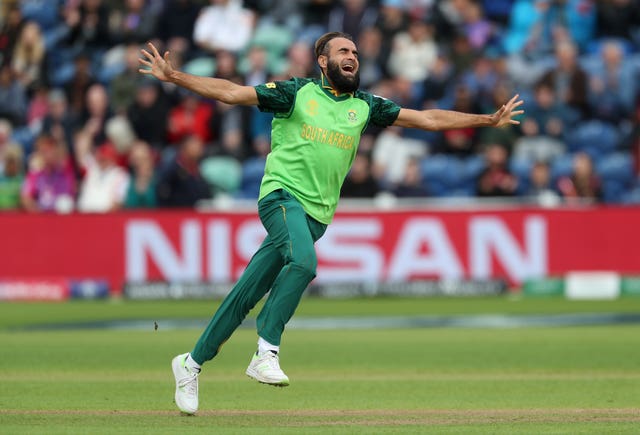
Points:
x=314 y=139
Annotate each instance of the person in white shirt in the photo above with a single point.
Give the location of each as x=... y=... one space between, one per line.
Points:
x=105 y=184
x=225 y=25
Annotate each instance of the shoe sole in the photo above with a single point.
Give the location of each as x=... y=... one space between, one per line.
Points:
x=280 y=384
x=175 y=363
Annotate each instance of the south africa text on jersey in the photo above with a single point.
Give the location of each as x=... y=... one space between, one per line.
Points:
x=328 y=137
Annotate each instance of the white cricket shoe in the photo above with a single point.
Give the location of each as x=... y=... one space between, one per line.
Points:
x=266 y=369
x=186 y=385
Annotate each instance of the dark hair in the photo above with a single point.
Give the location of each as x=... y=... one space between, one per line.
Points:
x=322 y=44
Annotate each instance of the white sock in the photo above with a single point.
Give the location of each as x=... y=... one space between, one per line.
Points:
x=264 y=346
x=192 y=365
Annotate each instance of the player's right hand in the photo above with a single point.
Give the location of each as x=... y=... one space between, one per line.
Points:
x=158 y=66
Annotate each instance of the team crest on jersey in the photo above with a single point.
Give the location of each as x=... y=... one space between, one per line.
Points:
x=312 y=107
x=270 y=85
x=352 y=116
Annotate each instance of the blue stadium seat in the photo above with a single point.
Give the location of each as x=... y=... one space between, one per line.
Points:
x=252 y=172
x=561 y=166
x=632 y=196
x=521 y=169
x=223 y=173
x=616 y=174
x=442 y=174
x=594 y=137
x=616 y=167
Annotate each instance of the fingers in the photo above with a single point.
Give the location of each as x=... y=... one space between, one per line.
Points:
x=144 y=62
x=146 y=54
x=154 y=50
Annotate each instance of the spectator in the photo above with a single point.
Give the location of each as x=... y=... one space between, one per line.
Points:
x=460 y=142
x=13 y=97
x=546 y=115
x=540 y=185
x=181 y=184
x=224 y=25
x=49 y=184
x=122 y=88
x=391 y=21
x=59 y=123
x=11 y=177
x=583 y=184
x=45 y=13
x=192 y=116
x=77 y=88
x=482 y=79
x=257 y=70
x=369 y=56
x=392 y=153
x=536 y=26
x=96 y=114
x=360 y=182
x=496 y=179
x=478 y=30
x=149 y=114
x=175 y=25
x=300 y=61
x=568 y=79
x=38 y=106
x=28 y=59
x=88 y=22
x=142 y=186
x=411 y=185
x=351 y=16
x=230 y=126
x=414 y=52
x=104 y=186
x=612 y=84
x=6 y=142
x=136 y=23
x=11 y=28
x=439 y=83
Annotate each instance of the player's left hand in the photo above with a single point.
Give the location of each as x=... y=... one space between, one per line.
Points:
x=506 y=113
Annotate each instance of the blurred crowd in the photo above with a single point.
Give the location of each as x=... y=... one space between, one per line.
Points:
x=81 y=129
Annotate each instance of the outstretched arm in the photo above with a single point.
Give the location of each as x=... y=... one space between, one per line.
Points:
x=217 y=89
x=435 y=119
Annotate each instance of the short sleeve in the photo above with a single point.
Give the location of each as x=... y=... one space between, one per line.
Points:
x=383 y=112
x=277 y=97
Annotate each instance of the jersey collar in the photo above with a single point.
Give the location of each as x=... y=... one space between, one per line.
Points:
x=324 y=83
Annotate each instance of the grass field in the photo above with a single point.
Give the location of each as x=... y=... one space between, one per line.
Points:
x=56 y=378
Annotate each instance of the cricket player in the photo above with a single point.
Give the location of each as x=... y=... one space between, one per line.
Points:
x=315 y=134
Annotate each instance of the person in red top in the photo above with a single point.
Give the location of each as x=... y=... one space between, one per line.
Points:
x=191 y=117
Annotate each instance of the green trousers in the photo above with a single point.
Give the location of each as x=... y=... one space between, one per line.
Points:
x=285 y=263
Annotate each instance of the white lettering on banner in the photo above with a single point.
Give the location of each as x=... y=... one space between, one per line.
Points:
x=352 y=250
x=248 y=239
x=353 y=245
x=219 y=254
x=490 y=235
x=409 y=259
x=147 y=237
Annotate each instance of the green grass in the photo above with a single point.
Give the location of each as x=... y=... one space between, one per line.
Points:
x=566 y=380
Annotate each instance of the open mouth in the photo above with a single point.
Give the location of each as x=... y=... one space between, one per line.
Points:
x=348 y=68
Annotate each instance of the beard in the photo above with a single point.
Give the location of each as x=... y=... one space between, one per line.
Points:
x=342 y=83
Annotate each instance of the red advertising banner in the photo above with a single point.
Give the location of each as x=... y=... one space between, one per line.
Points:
x=376 y=246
